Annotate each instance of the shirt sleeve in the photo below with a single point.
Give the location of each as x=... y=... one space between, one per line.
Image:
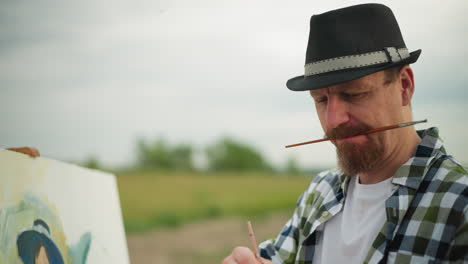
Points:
x=283 y=249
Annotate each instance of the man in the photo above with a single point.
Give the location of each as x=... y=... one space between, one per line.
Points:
x=397 y=197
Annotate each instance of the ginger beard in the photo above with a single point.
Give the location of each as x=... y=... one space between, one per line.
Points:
x=353 y=157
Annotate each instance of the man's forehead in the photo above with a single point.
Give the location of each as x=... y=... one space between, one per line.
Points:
x=364 y=83
x=340 y=88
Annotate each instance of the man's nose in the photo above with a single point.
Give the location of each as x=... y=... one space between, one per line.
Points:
x=337 y=112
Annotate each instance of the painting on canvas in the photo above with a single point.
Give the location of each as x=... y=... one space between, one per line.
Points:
x=53 y=212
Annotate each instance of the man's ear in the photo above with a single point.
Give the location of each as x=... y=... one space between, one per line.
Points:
x=407 y=84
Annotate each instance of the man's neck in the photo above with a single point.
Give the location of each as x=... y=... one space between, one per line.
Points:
x=387 y=167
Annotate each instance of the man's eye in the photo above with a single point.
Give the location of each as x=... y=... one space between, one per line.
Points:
x=354 y=95
x=321 y=99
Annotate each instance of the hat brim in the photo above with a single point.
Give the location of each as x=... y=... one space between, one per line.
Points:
x=301 y=83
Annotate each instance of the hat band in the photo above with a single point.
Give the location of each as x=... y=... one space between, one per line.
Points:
x=390 y=54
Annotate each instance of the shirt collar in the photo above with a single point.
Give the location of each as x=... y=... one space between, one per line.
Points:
x=411 y=173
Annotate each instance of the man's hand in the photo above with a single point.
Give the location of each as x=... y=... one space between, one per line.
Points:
x=243 y=255
x=33 y=152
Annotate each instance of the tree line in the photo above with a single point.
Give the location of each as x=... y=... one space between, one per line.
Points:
x=225 y=154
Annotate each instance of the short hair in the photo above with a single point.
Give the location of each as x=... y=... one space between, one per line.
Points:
x=392 y=74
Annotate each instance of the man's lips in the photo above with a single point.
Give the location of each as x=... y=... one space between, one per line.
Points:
x=357 y=139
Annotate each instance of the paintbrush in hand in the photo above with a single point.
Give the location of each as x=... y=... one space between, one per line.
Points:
x=374 y=130
x=253 y=241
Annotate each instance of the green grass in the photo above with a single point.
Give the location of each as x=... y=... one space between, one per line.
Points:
x=152 y=200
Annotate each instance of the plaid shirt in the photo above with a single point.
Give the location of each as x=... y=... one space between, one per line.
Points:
x=427 y=212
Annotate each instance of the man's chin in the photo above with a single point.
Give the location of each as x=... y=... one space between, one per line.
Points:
x=357 y=157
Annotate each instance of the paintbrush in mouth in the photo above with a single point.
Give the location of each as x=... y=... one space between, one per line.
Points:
x=374 y=130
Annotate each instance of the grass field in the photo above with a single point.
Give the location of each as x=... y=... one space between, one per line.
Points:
x=152 y=200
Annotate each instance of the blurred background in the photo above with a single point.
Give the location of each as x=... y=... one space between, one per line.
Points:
x=186 y=103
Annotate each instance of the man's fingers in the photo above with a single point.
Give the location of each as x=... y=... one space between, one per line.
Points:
x=265 y=261
x=33 y=152
x=242 y=255
x=229 y=260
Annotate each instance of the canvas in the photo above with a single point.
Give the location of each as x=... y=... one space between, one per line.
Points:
x=54 y=212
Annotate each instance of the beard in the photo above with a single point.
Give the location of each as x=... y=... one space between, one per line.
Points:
x=357 y=158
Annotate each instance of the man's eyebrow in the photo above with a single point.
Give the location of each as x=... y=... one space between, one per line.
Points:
x=345 y=89
x=357 y=88
x=314 y=93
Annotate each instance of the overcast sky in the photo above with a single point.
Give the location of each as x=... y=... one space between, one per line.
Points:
x=80 y=78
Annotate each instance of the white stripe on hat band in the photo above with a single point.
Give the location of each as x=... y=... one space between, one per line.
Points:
x=356 y=61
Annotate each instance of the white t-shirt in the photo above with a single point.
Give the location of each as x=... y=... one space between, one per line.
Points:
x=348 y=236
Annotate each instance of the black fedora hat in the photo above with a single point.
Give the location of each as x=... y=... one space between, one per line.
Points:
x=349 y=43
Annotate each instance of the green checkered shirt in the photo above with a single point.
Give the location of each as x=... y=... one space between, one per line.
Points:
x=427 y=212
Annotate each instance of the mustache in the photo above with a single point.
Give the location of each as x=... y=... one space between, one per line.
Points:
x=346 y=131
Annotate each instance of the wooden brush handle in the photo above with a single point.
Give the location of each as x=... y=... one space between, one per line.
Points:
x=308 y=142
x=365 y=133
x=380 y=129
